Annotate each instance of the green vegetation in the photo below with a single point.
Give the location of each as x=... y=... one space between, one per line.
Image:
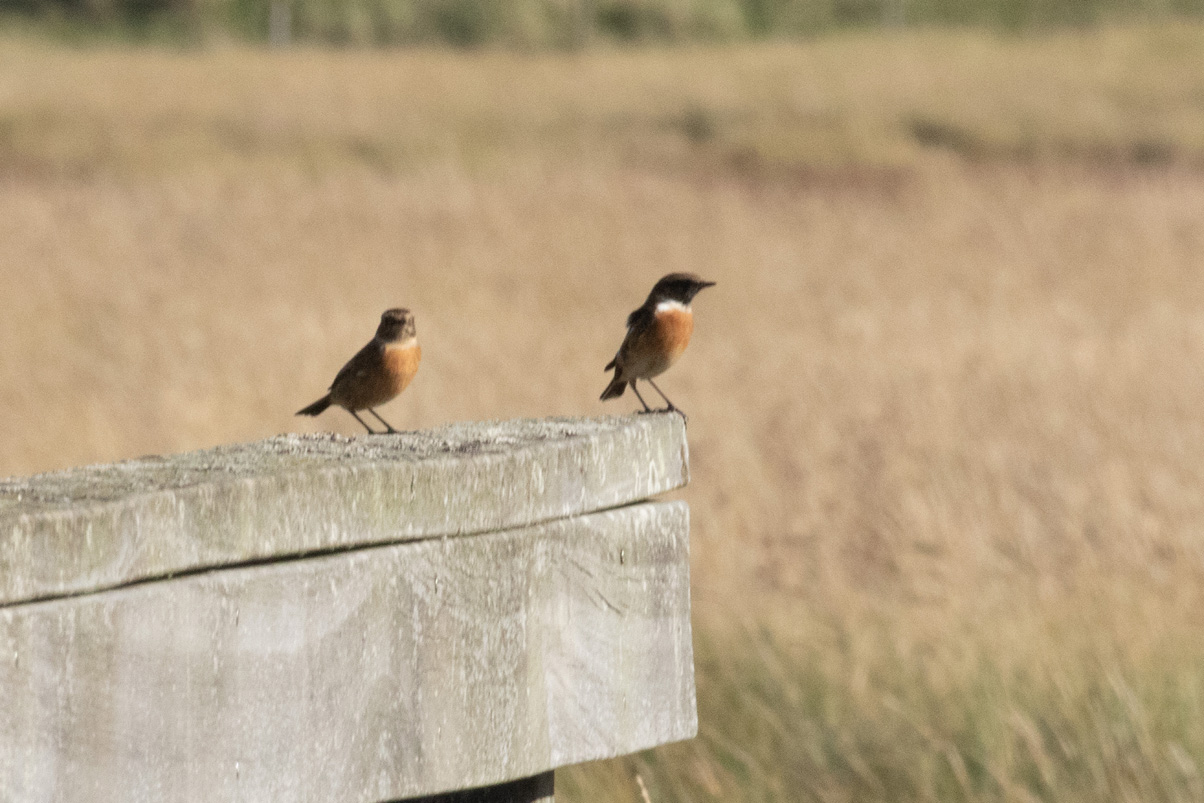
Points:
x=560 y=23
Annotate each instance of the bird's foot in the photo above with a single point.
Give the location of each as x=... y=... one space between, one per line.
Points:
x=669 y=409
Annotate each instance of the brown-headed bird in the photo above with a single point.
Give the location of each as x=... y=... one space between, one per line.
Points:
x=378 y=372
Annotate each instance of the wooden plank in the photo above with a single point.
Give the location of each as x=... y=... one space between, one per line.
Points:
x=98 y=527
x=367 y=675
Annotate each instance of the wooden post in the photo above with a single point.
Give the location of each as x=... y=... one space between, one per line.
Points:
x=367 y=619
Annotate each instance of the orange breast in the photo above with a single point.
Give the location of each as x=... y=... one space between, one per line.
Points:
x=673 y=329
x=650 y=352
x=375 y=375
x=401 y=363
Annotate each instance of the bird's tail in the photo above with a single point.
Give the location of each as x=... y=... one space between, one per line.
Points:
x=317 y=407
x=615 y=389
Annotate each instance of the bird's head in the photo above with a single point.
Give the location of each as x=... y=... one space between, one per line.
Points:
x=680 y=287
x=396 y=324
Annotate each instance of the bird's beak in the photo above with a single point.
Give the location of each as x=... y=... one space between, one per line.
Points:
x=704 y=285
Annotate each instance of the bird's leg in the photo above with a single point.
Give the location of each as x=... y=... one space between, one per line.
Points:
x=357 y=418
x=647 y=409
x=388 y=427
x=670 y=408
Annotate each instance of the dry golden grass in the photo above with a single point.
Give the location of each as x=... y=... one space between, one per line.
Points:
x=946 y=408
x=864 y=100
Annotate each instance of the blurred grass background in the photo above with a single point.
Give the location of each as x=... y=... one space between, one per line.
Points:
x=560 y=23
x=945 y=402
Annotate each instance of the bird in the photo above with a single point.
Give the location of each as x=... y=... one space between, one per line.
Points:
x=378 y=372
x=657 y=333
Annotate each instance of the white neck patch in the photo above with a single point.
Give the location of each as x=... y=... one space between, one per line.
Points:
x=670 y=305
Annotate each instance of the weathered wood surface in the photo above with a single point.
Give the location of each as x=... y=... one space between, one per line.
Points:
x=367 y=675
x=99 y=527
x=403 y=667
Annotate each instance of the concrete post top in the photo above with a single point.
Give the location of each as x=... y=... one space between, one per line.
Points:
x=88 y=529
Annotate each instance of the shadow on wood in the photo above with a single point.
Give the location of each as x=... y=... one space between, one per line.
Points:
x=539 y=789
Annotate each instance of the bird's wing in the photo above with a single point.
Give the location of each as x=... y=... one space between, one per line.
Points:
x=641 y=315
x=637 y=318
x=359 y=366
